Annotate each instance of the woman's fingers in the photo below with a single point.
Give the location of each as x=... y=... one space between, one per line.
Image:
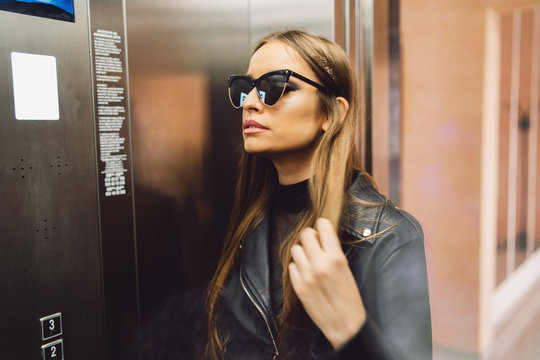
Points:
x=307 y=258
x=324 y=283
x=317 y=248
x=329 y=239
x=309 y=239
x=300 y=259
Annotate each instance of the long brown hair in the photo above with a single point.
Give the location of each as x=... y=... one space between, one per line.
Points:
x=332 y=164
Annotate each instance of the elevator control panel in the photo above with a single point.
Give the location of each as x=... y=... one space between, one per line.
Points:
x=53 y=350
x=51 y=326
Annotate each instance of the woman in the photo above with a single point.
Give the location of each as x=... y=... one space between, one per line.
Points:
x=316 y=262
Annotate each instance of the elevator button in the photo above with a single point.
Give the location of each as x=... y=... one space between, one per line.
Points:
x=53 y=350
x=51 y=326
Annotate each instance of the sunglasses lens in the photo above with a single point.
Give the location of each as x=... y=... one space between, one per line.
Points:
x=238 y=90
x=271 y=88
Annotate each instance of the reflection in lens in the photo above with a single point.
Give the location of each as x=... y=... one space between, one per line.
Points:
x=243 y=96
x=238 y=91
x=273 y=87
x=262 y=96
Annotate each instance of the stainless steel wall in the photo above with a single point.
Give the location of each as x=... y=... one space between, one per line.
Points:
x=186 y=136
x=50 y=259
x=66 y=247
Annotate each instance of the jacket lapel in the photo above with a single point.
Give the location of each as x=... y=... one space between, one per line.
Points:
x=255 y=265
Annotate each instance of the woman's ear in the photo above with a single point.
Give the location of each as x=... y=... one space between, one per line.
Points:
x=343 y=111
x=343 y=107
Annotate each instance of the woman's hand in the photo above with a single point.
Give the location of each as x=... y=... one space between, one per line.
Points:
x=323 y=281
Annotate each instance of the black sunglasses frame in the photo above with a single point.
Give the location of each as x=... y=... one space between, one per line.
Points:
x=254 y=83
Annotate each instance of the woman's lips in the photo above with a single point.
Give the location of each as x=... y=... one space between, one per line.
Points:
x=252 y=127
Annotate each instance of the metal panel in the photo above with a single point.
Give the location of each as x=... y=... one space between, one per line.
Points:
x=395 y=98
x=114 y=169
x=49 y=235
x=186 y=136
x=316 y=16
x=365 y=64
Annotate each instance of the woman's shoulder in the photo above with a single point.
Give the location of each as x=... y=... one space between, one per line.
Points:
x=370 y=216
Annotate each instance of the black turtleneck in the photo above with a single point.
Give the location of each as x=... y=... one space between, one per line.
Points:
x=287 y=205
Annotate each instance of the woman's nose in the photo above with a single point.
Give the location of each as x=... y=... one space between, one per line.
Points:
x=252 y=101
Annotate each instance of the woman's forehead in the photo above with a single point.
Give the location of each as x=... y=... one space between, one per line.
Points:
x=275 y=55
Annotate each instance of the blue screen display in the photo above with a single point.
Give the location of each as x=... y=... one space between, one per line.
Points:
x=53 y=9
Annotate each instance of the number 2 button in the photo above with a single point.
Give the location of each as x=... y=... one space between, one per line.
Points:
x=53 y=350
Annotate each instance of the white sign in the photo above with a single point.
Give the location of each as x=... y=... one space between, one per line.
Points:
x=35 y=86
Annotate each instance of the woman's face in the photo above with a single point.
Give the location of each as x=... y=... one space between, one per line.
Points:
x=293 y=124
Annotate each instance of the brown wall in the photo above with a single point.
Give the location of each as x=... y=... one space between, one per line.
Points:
x=442 y=54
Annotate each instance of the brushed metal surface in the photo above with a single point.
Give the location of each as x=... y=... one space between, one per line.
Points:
x=49 y=235
x=186 y=141
x=365 y=62
x=116 y=211
x=186 y=136
x=395 y=133
x=316 y=16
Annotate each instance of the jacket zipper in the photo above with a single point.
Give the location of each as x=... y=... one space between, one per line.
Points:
x=276 y=352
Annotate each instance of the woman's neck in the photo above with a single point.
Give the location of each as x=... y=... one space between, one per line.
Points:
x=293 y=168
x=288 y=178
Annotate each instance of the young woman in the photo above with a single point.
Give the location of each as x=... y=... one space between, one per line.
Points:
x=316 y=263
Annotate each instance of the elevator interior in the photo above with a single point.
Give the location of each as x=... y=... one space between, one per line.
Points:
x=185 y=133
x=88 y=252
x=118 y=200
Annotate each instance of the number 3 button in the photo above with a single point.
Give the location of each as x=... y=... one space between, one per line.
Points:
x=53 y=350
x=51 y=326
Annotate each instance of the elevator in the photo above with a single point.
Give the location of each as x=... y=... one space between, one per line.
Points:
x=117 y=172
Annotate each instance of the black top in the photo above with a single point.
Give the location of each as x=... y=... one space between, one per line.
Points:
x=287 y=205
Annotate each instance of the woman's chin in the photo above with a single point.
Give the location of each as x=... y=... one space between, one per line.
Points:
x=255 y=151
x=254 y=148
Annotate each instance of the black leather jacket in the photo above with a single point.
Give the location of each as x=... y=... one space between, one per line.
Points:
x=390 y=271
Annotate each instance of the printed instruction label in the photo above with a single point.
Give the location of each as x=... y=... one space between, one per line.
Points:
x=111 y=110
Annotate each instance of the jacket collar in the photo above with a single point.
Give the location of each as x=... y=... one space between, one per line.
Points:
x=362 y=210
